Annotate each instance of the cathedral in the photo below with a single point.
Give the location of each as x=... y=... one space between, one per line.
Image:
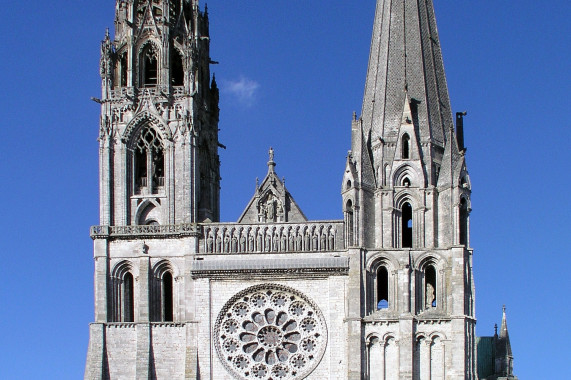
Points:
x=385 y=293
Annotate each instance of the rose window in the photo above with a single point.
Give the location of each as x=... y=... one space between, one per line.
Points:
x=270 y=332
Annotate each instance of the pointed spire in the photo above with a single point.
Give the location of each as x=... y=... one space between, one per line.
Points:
x=405 y=57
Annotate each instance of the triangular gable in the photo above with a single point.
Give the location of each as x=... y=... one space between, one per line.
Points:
x=272 y=203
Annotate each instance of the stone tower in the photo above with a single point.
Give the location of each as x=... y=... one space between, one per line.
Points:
x=386 y=293
x=159 y=117
x=406 y=198
x=159 y=167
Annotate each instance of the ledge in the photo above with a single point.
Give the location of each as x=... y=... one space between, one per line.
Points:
x=130 y=232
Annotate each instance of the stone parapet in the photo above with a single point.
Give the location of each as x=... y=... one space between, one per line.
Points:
x=276 y=237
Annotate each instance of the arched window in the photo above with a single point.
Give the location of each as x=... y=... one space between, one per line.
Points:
x=122 y=298
x=149 y=66
x=149 y=162
x=177 y=71
x=382 y=288
x=430 y=288
x=405 y=141
x=406 y=227
x=348 y=185
x=123 y=70
x=127 y=296
x=167 y=297
x=350 y=222
x=463 y=222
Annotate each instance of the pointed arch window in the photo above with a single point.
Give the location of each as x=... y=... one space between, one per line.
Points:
x=149 y=162
x=149 y=66
x=122 y=298
x=123 y=70
x=167 y=297
x=382 y=301
x=177 y=70
x=405 y=148
x=349 y=219
x=406 y=227
x=128 y=297
x=463 y=227
x=430 y=288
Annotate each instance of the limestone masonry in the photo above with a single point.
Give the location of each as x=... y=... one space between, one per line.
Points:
x=385 y=293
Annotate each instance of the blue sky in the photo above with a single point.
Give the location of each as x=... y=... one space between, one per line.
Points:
x=291 y=74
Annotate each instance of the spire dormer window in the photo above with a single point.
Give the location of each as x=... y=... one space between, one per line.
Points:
x=405 y=151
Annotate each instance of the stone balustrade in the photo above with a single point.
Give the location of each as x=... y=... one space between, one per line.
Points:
x=231 y=238
x=271 y=238
x=159 y=231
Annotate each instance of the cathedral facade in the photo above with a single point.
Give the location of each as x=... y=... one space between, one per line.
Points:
x=385 y=293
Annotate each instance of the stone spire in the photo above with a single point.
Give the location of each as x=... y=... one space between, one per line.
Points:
x=504 y=356
x=405 y=57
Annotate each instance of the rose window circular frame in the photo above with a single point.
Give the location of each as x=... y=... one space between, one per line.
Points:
x=270 y=332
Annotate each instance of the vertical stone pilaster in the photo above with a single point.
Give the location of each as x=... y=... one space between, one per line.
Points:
x=143 y=363
x=101 y=284
x=94 y=367
x=143 y=286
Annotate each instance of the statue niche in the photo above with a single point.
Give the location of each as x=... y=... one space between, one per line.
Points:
x=270 y=209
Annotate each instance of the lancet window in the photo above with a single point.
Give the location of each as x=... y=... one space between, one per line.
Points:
x=349 y=222
x=149 y=66
x=162 y=302
x=122 y=300
x=405 y=153
x=149 y=162
x=463 y=222
x=177 y=70
x=382 y=288
x=430 y=288
x=406 y=227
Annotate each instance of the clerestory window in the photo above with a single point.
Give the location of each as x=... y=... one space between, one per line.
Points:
x=149 y=165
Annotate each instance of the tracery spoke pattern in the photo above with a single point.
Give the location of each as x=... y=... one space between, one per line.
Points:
x=270 y=332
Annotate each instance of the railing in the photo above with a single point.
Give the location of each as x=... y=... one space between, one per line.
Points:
x=169 y=230
x=235 y=238
x=271 y=238
x=154 y=91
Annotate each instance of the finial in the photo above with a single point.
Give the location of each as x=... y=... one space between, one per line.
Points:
x=354 y=116
x=495 y=329
x=271 y=163
x=504 y=309
x=106 y=32
x=257 y=183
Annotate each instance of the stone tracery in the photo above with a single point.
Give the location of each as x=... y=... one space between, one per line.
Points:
x=271 y=332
